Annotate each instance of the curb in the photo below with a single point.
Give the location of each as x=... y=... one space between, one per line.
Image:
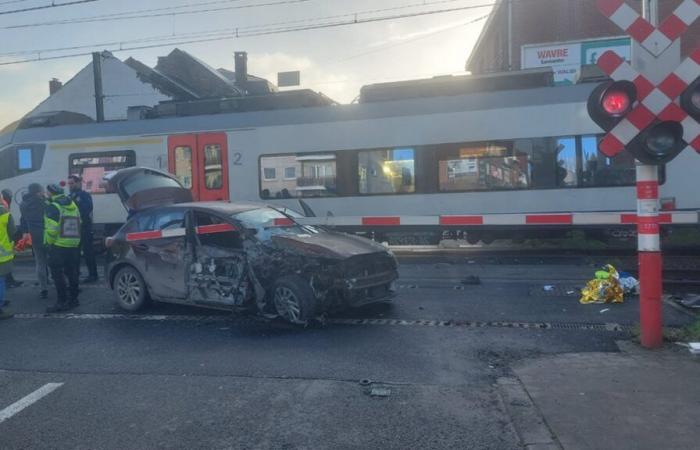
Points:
x=530 y=426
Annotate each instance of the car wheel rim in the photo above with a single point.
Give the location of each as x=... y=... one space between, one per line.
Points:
x=128 y=289
x=287 y=304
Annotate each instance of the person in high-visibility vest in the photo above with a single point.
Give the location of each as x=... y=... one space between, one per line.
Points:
x=7 y=253
x=62 y=241
x=10 y=281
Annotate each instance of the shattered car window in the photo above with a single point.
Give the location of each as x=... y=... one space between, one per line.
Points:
x=262 y=220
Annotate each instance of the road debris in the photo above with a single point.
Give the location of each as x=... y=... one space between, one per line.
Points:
x=379 y=392
x=604 y=288
x=604 y=310
x=689 y=301
x=472 y=280
x=548 y=288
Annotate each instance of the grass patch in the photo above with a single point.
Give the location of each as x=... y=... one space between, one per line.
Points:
x=691 y=333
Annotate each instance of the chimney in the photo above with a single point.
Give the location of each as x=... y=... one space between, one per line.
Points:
x=54 y=86
x=241 y=59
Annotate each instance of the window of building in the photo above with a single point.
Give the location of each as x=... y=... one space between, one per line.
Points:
x=386 y=171
x=24 y=159
x=307 y=175
x=92 y=167
x=213 y=167
x=269 y=173
x=183 y=165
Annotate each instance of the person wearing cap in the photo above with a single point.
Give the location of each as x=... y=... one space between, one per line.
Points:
x=7 y=253
x=33 y=207
x=84 y=201
x=10 y=282
x=62 y=241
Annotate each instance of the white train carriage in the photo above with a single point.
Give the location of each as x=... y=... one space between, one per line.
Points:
x=500 y=154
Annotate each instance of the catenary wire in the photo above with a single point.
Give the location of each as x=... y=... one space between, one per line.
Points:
x=245 y=31
x=52 y=5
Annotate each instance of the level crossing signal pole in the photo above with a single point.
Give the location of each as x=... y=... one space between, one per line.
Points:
x=654 y=115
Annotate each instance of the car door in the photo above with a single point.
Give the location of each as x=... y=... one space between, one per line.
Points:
x=221 y=270
x=165 y=254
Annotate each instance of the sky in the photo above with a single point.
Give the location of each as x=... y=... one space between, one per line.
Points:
x=337 y=61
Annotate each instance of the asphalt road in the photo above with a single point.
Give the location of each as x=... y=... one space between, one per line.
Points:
x=175 y=377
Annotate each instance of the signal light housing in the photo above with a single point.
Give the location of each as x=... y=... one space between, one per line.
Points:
x=659 y=143
x=610 y=102
x=690 y=99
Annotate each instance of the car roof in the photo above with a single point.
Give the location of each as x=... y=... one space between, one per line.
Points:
x=221 y=207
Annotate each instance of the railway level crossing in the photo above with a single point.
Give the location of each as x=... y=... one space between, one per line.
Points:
x=653 y=114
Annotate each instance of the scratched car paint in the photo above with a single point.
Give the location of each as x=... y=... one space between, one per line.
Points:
x=243 y=257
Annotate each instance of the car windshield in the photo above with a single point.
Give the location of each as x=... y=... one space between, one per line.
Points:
x=269 y=222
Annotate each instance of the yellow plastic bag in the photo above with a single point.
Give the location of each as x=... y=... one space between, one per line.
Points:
x=604 y=288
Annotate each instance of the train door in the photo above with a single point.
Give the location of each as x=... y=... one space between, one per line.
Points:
x=200 y=163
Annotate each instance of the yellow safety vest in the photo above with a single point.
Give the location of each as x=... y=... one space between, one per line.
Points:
x=7 y=252
x=66 y=231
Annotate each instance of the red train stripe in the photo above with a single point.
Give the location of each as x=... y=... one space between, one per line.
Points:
x=381 y=221
x=558 y=219
x=461 y=220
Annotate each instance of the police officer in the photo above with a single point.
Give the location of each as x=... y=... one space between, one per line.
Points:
x=7 y=255
x=84 y=201
x=62 y=241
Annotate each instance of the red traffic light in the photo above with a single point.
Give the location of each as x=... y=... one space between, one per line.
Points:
x=610 y=102
x=616 y=102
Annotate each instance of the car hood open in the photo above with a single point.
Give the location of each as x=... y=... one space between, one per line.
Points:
x=328 y=244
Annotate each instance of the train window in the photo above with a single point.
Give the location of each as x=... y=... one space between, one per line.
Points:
x=567 y=173
x=183 y=165
x=92 y=167
x=213 y=167
x=24 y=159
x=480 y=166
x=386 y=171
x=599 y=170
x=17 y=160
x=307 y=175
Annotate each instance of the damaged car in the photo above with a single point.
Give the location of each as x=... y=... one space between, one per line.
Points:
x=242 y=257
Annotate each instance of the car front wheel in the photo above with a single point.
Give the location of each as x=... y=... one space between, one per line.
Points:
x=130 y=289
x=294 y=300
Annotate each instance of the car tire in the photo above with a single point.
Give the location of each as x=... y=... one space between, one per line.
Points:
x=294 y=300
x=130 y=289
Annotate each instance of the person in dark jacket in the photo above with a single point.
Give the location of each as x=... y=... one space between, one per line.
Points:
x=84 y=202
x=32 y=221
x=7 y=202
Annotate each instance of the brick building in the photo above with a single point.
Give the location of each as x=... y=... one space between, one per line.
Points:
x=548 y=21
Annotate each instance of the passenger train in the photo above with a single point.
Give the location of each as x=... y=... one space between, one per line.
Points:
x=463 y=146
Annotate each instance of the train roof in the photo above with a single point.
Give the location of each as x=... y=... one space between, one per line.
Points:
x=398 y=107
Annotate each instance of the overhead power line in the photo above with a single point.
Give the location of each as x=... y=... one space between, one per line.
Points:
x=154 y=12
x=236 y=32
x=52 y=5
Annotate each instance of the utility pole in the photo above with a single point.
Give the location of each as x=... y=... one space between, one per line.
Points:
x=99 y=95
x=510 y=35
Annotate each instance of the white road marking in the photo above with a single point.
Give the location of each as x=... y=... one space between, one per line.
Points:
x=30 y=399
